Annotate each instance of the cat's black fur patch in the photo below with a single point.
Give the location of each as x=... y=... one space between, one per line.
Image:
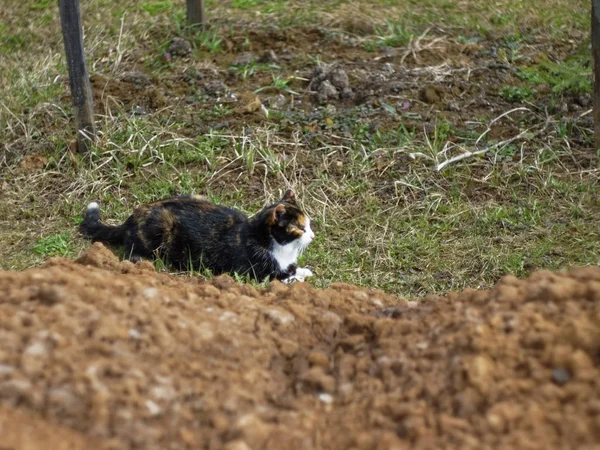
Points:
x=191 y=232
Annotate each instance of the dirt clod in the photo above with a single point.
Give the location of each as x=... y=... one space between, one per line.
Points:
x=432 y=94
x=140 y=79
x=277 y=101
x=116 y=356
x=34 y=358
x=319 y=359
x=156 y=99
x=338 y=78
x=584 y=100
x=268 y=57
x=243 y=59
x=132 y=90
x=215 y=88
x=330 y=83
x=249 y=102
x=179 y=47
x=33 y=162
x=327 y=91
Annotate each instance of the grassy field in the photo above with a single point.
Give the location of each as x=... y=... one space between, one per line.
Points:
x=461 y=151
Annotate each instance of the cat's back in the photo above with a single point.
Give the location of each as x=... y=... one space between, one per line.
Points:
x=196 y=208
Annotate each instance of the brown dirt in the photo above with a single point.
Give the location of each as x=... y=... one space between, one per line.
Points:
x=99 y=353
x=127 y=92
x=443 y=80
x=33 y=162
x=434 y=81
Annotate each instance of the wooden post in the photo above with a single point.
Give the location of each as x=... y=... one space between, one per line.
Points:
x=195 y=12
x=81 y=91
x=596 y=56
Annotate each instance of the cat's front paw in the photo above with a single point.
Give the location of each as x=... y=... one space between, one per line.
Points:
x=300 y=275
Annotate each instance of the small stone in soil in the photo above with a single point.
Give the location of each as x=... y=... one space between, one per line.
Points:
x=560 y=375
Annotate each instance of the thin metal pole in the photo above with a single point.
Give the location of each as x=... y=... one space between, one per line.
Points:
x=596 y=56
x=195 y=12
x=81 y=91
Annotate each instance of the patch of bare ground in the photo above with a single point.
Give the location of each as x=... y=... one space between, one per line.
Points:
x=121 y=356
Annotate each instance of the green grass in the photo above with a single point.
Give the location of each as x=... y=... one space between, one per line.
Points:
x=392 y=35
x=245 y=71
x=573 y=76
x=11 y=42
x=209 y=40
x=516 y=93
x=366 y=173
x=446 y=242
x=279 y=84
x=264 y=6
x=55 y=245
x=157 y=7
x=388 y=35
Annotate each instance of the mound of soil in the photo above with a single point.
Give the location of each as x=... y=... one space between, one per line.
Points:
x=99 y=353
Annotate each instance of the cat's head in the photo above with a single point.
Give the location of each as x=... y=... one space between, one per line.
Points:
x=287 y=222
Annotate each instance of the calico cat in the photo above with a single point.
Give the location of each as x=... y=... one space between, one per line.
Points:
x=191 y=232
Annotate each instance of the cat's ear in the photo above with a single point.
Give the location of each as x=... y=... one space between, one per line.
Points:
x=277 y=213
x=289 y=197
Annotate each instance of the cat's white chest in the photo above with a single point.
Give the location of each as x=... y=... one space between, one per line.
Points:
x=285 y=254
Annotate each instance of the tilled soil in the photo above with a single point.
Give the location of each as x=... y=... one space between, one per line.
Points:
x=104 y=354
x=439 y=79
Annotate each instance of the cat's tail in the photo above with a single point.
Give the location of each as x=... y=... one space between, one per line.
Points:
x=92 y=228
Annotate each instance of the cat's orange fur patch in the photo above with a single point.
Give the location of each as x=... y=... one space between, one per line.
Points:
x=272 y=219
x=158 y=203
x=207 y=206
x=302 y=220
x=142 y=237
x=168 y=219
x=141 y=210
x=168 y=224
x=295 y=231
x=140 y=215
